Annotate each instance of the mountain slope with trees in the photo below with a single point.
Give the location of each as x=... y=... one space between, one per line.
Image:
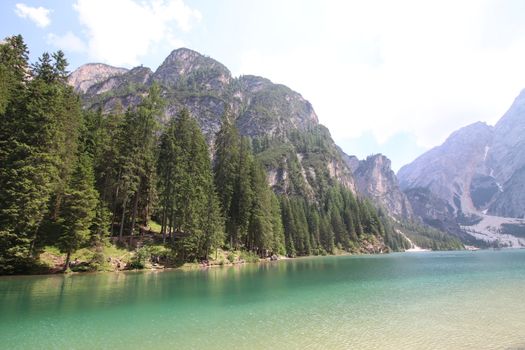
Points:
x=217 y=163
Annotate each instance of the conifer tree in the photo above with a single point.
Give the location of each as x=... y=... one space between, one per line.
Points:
x=79 y=208
x=136 y=150
x=260 y=230
x=225 y=170
x=278 y=244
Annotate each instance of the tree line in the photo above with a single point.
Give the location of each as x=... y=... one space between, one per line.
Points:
x=72 y=178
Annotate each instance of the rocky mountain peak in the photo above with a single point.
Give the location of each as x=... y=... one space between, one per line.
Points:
x=90 y=74
x=185 y=68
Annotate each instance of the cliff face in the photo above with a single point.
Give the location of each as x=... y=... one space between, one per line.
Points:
x=281 y=123
x=506 y=161
x=375 y=179
x=90 y=74
x=448 y=170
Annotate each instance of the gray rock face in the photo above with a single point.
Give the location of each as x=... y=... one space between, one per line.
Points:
x=507 y=155
x=375 y=179
x=506 y=161
x=90 y=74
x=511 y=201
x=433 y=210
x=479 y=169
x=274 y=109
x=189 y=70
x=351 y=161
x=447 y=170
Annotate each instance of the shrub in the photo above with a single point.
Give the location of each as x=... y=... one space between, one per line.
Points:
x=140 y=258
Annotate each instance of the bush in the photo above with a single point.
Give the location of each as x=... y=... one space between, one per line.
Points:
x=249 y=257
x=141 y=257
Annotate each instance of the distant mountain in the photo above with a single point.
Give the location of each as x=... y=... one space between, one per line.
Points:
x=478 y=172
x=375 y=179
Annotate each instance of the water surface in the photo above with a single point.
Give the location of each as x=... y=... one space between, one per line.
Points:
x=452 y=300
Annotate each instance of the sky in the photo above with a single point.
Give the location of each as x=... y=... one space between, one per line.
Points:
x=391 y=77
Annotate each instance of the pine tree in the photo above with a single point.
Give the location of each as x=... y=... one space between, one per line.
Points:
x=79 y=209
x=166 y=167
x=136 y=149
x=278 y=244
x=289 y=227
x=260 y=229
x=242 y=199
x=36 y=156
x=213 y=225
x=188 y=203
x=225 y=169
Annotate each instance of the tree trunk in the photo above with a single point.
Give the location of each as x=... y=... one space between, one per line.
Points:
x=68 y=260
x=163 y=225
x=134 y=213
x=123 y=217
x=172 y=224
x=114 y=210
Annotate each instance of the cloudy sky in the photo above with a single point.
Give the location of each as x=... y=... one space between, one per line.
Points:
x=391 y=77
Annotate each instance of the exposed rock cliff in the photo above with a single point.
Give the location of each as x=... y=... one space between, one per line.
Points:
x=375 y=179
x=90 y=74
x=447 y=170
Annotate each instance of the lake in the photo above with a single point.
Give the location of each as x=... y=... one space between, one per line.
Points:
x=430 y=300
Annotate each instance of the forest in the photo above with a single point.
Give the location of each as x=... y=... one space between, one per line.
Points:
x=74 y=179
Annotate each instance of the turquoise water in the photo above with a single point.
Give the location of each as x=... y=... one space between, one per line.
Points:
x=452 y=300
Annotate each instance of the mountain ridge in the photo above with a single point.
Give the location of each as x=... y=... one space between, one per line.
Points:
x=476 y=175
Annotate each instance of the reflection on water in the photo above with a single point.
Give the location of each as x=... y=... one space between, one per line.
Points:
x=469 y=300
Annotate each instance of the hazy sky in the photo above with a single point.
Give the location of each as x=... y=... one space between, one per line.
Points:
x=391 y=77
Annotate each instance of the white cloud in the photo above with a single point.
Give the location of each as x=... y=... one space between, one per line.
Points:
x=39 y=15
x=393 y=67
x=120 y=32
x=67 y=42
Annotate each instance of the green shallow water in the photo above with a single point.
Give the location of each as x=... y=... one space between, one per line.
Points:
x=450 y=300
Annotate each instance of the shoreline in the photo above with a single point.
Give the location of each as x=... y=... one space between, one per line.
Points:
x=199 y=266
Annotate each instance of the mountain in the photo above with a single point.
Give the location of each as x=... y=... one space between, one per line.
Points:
x=448 y=170
x=375 y=179
x=90 y=74
x=474 y=177
x=299 y=153
x=506 y=161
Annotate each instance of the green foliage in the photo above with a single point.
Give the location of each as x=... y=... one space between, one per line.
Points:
x=78 y=209
x=428 y=237
x=189 y=205
x=140 y=258
x=38 y=149
x=249 y=257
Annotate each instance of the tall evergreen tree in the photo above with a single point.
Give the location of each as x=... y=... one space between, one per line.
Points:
x=79 y=208
x=188 y=202
x=135 y=188
x=225 y=169
x=260 y=230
